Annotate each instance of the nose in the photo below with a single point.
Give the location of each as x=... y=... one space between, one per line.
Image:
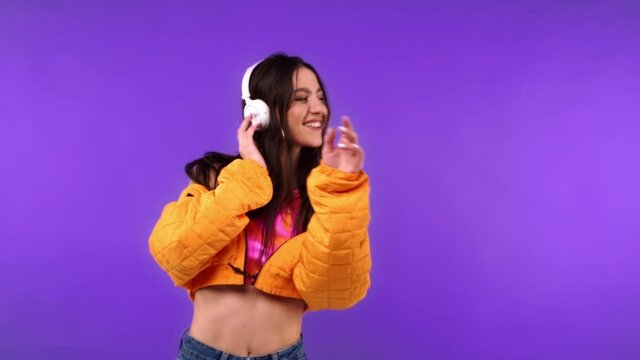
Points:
x=317 y=106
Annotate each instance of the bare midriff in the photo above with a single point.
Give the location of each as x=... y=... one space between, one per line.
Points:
x=243 y=320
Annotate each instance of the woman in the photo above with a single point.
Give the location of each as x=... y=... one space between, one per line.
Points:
x=259 y=238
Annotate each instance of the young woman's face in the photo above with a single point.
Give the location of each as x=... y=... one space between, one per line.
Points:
x=307 y=115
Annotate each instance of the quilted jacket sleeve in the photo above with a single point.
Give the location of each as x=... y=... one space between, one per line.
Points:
x=193 y=229
x=333 y=272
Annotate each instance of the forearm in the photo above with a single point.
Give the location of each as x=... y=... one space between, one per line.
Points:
x=335 y=261
x=193 y=229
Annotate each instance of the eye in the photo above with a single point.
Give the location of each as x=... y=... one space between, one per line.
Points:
x=301 y=99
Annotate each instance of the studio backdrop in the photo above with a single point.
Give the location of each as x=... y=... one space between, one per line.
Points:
x=502 y=143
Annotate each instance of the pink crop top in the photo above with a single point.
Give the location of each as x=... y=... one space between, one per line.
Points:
x=253 y=231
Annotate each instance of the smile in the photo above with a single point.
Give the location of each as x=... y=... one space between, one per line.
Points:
x=314 y=124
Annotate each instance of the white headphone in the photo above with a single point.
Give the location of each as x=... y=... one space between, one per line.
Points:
x=256 y=107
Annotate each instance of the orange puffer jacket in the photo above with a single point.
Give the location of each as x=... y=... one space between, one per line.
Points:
x=199 y=238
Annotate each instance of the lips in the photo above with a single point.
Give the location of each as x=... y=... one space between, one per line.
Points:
x=314 y=123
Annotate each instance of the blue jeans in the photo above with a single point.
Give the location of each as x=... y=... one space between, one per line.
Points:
x=192 y=349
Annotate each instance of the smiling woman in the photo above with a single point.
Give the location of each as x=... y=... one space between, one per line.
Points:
x=261 y=237
x=308 y=111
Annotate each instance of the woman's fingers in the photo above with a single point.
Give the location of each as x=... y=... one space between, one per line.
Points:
x=246 y=130
x=251 y=130
x=353 y=148
x=349 y=134
x=329 y=138
x=245 y=124
x=346 y=155
x=246 y=145
x=346 y=122
x=348 y=138
x=348 y=131
x=355 y=153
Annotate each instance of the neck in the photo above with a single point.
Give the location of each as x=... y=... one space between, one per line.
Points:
x=291 y=164
x=296 y=156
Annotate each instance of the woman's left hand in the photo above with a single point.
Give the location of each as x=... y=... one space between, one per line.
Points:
x=347 y=155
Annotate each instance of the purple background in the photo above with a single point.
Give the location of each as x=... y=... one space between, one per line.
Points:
x=502 y=144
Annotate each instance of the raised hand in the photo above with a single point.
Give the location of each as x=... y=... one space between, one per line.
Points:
x=246 y=145
x=347 y=155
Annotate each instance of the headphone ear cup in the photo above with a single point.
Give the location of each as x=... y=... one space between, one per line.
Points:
x=259 y=110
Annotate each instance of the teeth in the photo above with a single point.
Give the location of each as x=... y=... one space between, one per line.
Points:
x=313 y=124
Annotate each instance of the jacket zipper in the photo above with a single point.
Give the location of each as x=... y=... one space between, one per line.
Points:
x=240 y=271
x=269 y=258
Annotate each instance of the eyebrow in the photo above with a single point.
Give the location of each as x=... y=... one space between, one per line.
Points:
x=307 y=90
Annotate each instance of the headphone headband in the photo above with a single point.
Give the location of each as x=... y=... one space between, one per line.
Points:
x=245 y=81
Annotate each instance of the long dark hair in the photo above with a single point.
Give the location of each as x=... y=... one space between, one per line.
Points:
x=271 y=81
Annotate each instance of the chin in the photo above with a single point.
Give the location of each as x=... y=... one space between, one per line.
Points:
x=313 y=143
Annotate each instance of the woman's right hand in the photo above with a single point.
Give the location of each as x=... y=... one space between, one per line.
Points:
x=246 y=145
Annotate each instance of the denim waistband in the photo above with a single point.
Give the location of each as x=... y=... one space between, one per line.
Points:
x=191 y=346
